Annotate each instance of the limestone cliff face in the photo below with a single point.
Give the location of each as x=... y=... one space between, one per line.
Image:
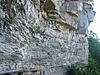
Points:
x=43 y=37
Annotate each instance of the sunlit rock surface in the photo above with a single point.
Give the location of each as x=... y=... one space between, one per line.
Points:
x=43 y=37
x=85 y=18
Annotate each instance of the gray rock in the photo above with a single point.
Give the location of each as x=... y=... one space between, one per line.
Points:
x=32 y=43
x=2 y=14
x=72 y=6
x=86 y=16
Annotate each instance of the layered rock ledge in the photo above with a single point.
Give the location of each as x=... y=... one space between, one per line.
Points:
x=43 y=37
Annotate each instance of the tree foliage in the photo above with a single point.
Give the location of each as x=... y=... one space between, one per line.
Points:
x=93 y=67
x=94 y=46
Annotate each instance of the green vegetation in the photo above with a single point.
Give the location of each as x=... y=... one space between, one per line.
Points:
x=93 y=67
x=94 y=48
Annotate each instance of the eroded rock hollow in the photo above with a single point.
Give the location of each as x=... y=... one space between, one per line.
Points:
x=43 y=37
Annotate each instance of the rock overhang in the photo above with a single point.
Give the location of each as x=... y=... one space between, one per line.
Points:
x=28 y=42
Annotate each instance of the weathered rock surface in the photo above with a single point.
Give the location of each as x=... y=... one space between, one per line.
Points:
x=86 y=16
x=43 y=37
